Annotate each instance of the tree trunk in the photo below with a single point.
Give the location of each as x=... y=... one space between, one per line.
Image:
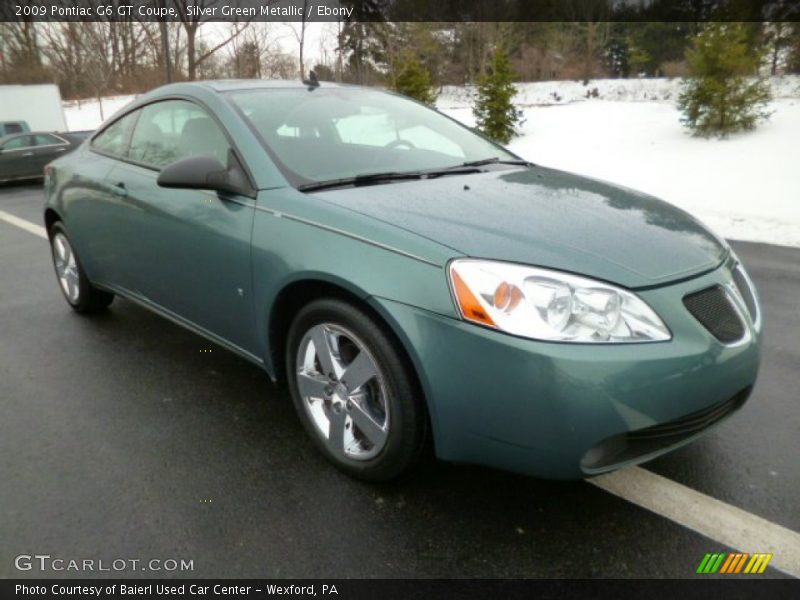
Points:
x=190 y=55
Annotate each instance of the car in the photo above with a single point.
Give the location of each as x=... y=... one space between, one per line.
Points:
x=24 y=155
x=415 y=285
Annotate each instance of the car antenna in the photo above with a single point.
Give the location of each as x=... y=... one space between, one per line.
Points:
x=312 y=82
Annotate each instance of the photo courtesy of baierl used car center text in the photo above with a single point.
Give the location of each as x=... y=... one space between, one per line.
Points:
x=394 y=298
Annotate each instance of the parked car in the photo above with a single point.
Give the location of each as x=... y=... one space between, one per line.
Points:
x=408 y=278
x=12 y=127
x=23 y=156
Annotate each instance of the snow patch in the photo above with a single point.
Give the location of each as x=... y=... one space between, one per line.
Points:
x=85 y=115
x=746 y=187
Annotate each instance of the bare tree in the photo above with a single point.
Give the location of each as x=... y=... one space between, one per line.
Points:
x=95 y=43
x=63 y=50
x=22 y=55
x=250 y=53
x=300 y=35
x=191 y=25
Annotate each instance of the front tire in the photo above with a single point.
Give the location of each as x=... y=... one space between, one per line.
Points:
x=78 y=291
x=354 y=392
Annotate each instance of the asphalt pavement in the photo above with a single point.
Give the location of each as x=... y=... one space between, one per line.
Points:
x=126 y=437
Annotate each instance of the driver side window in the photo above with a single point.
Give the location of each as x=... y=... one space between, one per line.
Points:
x=172 y=130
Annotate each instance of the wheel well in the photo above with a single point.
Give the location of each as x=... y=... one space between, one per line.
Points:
x=289 y=302
x=50 y=218
x=297 y=295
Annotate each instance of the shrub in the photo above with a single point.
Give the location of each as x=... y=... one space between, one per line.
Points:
x=412 y=79
x=494 y=111
x=724 y=92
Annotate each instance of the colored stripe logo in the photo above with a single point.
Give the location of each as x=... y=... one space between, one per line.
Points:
x=734 y=563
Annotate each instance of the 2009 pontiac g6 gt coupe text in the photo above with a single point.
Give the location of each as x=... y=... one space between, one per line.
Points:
x=409 y=279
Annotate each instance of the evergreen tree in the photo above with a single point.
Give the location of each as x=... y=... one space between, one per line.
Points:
x=725 y=92
x=410 y=78
x=494 y=111
x=793 y=58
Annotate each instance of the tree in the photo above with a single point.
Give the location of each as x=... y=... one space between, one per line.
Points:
x=191 y=24
x=650 y=45
x=363 y=40
x=725 y=92
x=411 y=79
x=324 y=72
x=494 y=111
x=793 y=58
x=301 y=37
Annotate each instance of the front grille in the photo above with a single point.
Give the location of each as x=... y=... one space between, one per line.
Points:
x=715 y=311
x=745 y=290
x=649 y=441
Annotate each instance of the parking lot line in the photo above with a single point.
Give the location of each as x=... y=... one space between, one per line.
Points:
x=705 y=515
x=23 y=224
x=698 y=512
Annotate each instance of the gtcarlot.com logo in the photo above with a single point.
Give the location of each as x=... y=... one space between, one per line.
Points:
x=734 y=563
x=46 y=562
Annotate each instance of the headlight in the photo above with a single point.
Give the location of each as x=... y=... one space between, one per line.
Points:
x=551 y=305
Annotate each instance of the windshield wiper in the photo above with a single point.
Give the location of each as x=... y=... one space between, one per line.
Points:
x=493 y=160
x=358 y=180
x=373 y=178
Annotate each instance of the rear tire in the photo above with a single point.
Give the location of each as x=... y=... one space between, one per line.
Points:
x=78 y=291
x=355 y=394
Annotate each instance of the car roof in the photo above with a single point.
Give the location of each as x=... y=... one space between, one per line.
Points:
x=225 y=85
x=219 y=86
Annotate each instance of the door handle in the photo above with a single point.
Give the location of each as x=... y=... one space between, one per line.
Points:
x=119 y=190
x=27 y=154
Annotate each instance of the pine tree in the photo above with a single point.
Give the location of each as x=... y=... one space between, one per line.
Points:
x=412 y=79
x=494 y=111
x=725 y=92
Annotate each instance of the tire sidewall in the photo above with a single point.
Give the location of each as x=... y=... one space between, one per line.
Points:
x=89 y=298
x=406 y=429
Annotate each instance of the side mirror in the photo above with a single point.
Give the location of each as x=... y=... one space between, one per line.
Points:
x=202 y=173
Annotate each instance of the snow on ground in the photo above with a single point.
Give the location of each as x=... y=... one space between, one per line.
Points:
x=746 y=187
x=86 y=114
x=638 y=90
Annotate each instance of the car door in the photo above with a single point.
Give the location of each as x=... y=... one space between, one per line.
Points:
x=46 y=148
x=187 y=251
x=97 y=217
x=16 y=159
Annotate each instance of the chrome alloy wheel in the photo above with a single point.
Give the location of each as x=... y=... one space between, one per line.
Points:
x=66 y=268
x=343 y=392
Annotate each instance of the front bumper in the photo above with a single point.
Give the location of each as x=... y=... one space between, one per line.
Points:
x=563 y=410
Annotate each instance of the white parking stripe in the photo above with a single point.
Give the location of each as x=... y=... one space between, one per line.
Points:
x=23 y=224
x=708 y=516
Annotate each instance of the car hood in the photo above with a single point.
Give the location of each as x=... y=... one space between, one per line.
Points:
x=547 y=218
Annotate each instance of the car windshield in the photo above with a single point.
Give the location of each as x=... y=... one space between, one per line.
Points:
x=339 y=133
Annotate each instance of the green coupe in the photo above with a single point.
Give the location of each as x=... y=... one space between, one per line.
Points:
x=409 y=280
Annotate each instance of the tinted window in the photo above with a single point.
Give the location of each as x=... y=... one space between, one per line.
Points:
x=175 y=129
x=114 y=139
x=45 y=139
x=13 y=128
x=22 y=141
